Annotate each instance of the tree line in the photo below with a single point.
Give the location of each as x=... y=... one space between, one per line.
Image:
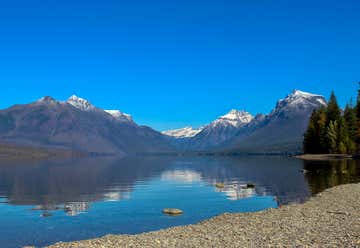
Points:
x=332 y=130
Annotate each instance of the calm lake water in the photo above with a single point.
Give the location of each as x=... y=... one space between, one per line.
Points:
x=50 y=201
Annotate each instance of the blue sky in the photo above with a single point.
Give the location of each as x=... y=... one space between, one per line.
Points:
x=176 y=63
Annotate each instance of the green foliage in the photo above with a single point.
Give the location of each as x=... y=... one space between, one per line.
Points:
x=333 y=112
x=351 y=121
x=330 y=132
x=332 y=136
x=314 y=138
x=357 y=137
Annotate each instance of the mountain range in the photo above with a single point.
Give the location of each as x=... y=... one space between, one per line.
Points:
x=238 y=131
x=76 y=124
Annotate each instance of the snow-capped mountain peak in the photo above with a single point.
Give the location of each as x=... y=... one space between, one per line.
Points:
x=120 y=116
x=296 y=94
x=186 y=132
x=80 y=103
x=234 y=118
x=299 y=100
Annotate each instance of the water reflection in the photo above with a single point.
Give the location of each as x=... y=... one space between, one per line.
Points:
x=72 y=185
x=86 y=198
x=184 y=176
x=325 y=174
x=236 y=192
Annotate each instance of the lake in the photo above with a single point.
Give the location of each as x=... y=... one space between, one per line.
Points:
x=50 y=201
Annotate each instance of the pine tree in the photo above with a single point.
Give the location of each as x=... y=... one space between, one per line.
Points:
x=330 y=132
x=332 y=136
x=351 y=124
x=310 y=137
x=351 y=121
x=333 y=112
x=314 y=138
x=357 y=139
x=344 y=141
x=321 y=127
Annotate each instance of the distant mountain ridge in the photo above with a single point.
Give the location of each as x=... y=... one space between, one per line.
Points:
x=78 y=125
x=185 y=132
x=238 y=131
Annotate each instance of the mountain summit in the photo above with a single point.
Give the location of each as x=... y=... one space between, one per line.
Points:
x=298 y=101
x=81 y=103
x=185 y=132
x=120 y=116
x=219 y=130
x=234 y=118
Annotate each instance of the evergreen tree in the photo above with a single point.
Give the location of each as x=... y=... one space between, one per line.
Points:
x=310 y=137
x=344 y=141
x=330 y=132
x=321 y=126
x=314 y=138
x=357 y=139
x=332 y=136
x=351 y=121
x=333 y=112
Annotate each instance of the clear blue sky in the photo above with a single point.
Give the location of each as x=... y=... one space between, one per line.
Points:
x=176 y=63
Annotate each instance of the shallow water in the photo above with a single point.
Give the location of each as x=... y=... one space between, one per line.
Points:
x=50 y=201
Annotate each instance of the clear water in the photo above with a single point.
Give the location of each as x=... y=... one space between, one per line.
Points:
x=50 y=201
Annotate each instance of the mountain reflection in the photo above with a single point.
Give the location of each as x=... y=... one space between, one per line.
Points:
x=72 y=185
x=236 y=192
x=183 y=176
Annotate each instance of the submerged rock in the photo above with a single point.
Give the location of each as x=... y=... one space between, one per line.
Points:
x=172 y=211
x=303 y=171
x=219 y=185
x=46 y=214
x=250 y=185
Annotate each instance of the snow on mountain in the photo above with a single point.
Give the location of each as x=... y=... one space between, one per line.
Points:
x=81 y=103
x=218 y=131
x=282 y=130
x=77 y=125
x=233 y=118
x=185 y=132
x=299 y=100
x=120 y=116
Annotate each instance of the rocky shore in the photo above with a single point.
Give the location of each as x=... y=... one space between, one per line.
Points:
x=330 y=219
x=324 y=157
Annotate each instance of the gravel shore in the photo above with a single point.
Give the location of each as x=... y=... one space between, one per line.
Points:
x=331 y=219
x=324 y=157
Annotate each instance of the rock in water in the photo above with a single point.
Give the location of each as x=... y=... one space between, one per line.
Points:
x=250 y=185
x=172 y=211
x=219 y=185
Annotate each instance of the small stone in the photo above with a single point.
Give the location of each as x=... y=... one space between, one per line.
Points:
x=250 y=185
x=219 y=185
x=172 y=211
x=46 y=214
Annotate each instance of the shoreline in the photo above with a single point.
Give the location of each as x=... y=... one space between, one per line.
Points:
x=12 y=152
x=324 y=157
x=331 y=218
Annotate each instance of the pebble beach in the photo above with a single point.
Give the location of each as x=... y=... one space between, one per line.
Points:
x=329 y=219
